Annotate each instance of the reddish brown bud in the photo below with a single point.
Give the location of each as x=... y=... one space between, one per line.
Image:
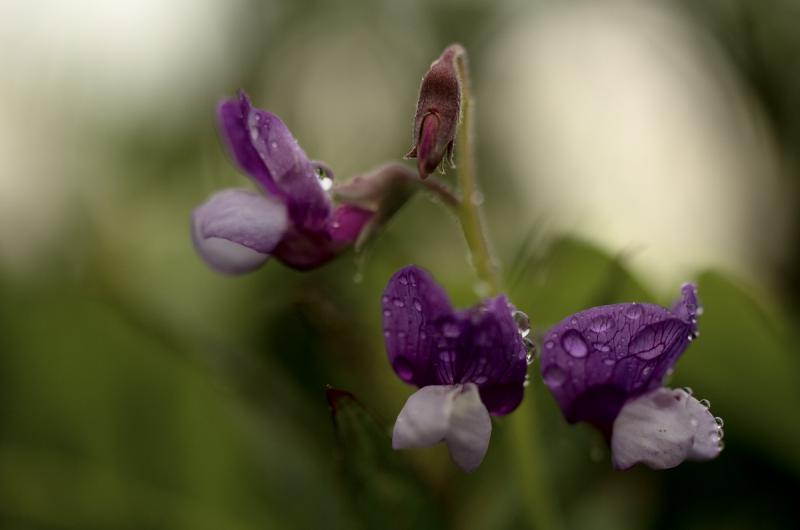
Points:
x=438 y=112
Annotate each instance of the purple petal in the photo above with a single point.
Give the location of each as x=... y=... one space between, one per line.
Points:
x=663 y=428
x=596 y=360
x=263 y=146
x=412 y=301
x=305 y=250
x=431 y=344
x=235 y=230
x=491 y=354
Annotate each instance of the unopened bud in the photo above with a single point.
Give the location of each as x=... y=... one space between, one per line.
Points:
x=438 y=113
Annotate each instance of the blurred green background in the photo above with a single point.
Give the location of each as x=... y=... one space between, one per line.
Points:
x=623 y=147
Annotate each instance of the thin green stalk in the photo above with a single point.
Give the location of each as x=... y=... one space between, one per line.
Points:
x=524 y=439
x=469 y=212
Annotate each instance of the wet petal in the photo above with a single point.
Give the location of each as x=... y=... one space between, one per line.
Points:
x=469 y=429
x=235 y=230
x=255 y=135
x=663 y=428
x=305 y=250
x=453 y=413
x=412 y=302
x=491 y=354
x=596 y=360
x=424 y=419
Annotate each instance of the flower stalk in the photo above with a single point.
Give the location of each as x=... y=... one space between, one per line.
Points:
x=524 y=439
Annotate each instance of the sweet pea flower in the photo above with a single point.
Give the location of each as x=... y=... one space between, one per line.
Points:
x=606 y=365
x=292 y=216
x=469 y=364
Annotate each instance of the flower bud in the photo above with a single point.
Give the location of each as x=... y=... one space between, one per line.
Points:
x=438 y=112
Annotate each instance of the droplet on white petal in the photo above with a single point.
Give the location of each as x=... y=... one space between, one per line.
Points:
x=663 y=428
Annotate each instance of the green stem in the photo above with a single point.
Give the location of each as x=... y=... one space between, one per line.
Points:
x=469 y=212
x=524 y=437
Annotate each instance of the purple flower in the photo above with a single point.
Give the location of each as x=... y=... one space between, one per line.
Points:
x=606 y=365
x=292 y=217
x=468 y=364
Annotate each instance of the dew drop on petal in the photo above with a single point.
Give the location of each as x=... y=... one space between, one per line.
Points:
x=705 y=403
x=688 y=390
x=398 y=303
x=387 y=313
x=417 y=305
x=719 y=421
x=572 y=341
x=554 y=376
x=549 y=344
x=523 y=323
x=481 y=379
x=634 y=311
x=601 y=324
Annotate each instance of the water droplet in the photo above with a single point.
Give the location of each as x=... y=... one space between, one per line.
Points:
x=599 y=346
x=609 y=362
x=554 y=376
x=693 y=422
x=549 y=344
x=403 y=280
x=715 y=437
x=648 y=343
x=444 y=355
x=530 y=348
x=450 y=329
x=705 y=403
x=398 y=303
x=573 y=343
x=385 y=299
x=601 y=324
x=274 y=145
x=417 y=305
x=326 y=182
x=477 y=198
x=574 y=321
x=526 y=382
x=688 y=390
x=403 y=369
x=634 y=311
x=481 y=379
x=523 y=323
x=387 y=313
x=719 y=421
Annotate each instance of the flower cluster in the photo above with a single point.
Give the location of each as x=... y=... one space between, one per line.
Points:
x=604 y=365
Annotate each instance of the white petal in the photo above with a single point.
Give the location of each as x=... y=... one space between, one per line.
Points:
x=425 y=417
x=470 y=429
x=235 y=230
x=663 y=428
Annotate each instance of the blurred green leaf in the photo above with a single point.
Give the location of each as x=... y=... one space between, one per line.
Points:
x=384 y=489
